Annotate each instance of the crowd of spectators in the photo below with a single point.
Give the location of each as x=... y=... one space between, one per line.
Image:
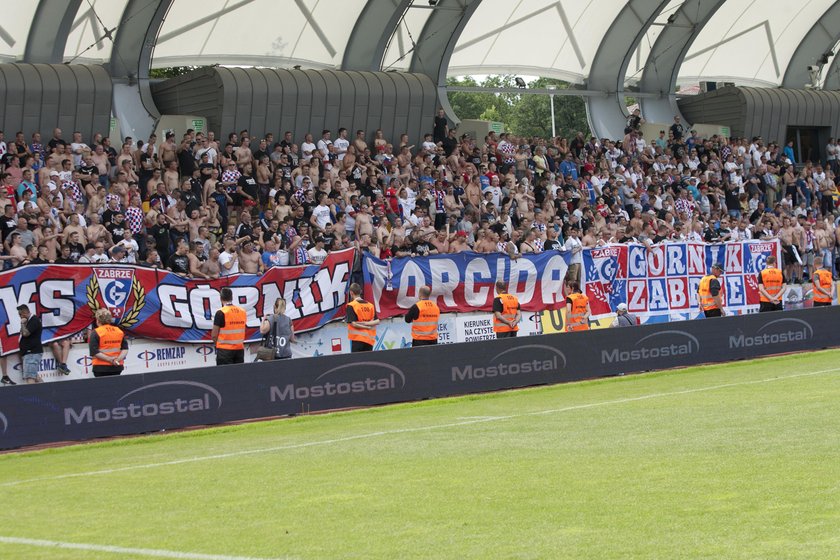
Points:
x=206 y=207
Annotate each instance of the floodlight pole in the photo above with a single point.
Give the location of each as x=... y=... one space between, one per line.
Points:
x=551 y=100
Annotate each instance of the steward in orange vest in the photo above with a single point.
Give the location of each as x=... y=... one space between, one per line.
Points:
x=577 y=309
x=771 y=287
x=108 y=346
x=361 y=321
x=229 y=331
x=709 y=293
x=423 y=317
x=506 y=313
x=823 y=284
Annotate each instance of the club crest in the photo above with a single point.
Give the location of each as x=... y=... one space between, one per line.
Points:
x=117 y=290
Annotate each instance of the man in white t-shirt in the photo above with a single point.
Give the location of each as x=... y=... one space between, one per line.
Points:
x=77 y=148
x=317 y=253
x=321 y=215
x=574 y=245
x=428 y=144
x=341 y=143
x=324 y=144
x=228 y=259
x=307 y=148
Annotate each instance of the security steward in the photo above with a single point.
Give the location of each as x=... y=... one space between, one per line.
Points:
x=229 y=331
x=709 y=293
x=506 y=314
x=108 y=346
x=771 y=287
x=823 y=284
x=361 y=321
x=423 y=317
x=577 y=309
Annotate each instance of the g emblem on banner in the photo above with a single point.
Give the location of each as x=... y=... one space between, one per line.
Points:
x=116 y=287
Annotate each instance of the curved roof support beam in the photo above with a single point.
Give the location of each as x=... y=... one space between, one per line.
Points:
x=832 y=77
x=49 y=31
x=369 y=39
x=131 y=59
x=434 y=45
x=663 y=64
x=820 y=39
x=606 y=114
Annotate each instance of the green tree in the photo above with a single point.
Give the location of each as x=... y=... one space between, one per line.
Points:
x=522 y=114
x=468 y=105
x=531 y=116
x=171 y=71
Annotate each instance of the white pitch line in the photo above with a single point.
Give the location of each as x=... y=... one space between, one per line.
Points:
x=151 y=552
x=479 y=420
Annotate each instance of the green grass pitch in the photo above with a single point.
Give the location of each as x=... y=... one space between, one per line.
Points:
x=727 y=462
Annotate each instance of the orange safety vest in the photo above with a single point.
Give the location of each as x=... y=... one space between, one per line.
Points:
x=364 y=312
x=232 y=335
x=510 y=305
x=425 y=327
x=110 y=343
x=822 y=278
x=772 y=280
x=577 y=319
x=707 y=301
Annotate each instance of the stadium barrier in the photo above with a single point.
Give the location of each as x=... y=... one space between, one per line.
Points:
x=154 y=401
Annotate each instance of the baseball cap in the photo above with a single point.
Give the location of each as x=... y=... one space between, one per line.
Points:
x=621 y=307
x=461 y=234
x=718 y=266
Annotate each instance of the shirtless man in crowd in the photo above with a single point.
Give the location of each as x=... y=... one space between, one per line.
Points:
x=790 y=239
x=249 y=259
x=364 y=224
x=195 y=264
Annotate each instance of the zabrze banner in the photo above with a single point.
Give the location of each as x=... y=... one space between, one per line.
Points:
x=153 y=303
x=465 y=281
x=664 y=278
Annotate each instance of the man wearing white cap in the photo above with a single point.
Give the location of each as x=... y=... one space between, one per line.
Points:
x=623 y=318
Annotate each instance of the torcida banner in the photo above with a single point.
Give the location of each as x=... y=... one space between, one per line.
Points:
x=664 y=278
x=156 y=304
x=465 y=282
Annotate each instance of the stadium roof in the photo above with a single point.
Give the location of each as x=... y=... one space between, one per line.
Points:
x=750 y=42
x=605 y=45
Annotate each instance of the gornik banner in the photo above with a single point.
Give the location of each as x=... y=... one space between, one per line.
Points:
x=664 y=278
x=465 y=281
x=154 y=303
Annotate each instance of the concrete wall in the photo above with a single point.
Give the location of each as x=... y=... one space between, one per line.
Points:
x=765 y=112
x=39 y=97
x=275 y=100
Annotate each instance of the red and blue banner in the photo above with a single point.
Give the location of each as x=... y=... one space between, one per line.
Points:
x=156 y=304
x=465 y=281
x=663 y=279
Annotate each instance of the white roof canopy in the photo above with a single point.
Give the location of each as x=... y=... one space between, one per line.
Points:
x=748 y=42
